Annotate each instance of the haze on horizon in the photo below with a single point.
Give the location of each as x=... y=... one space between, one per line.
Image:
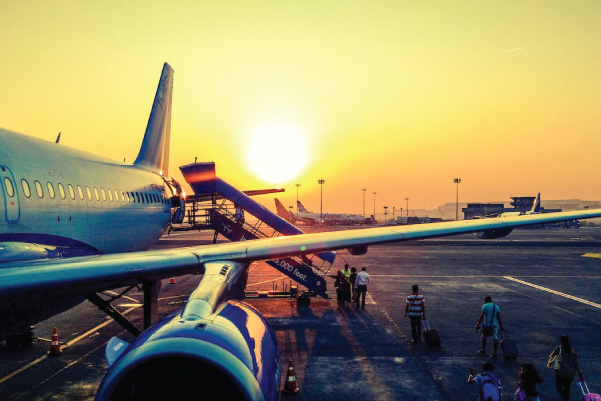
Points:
x=391 y=96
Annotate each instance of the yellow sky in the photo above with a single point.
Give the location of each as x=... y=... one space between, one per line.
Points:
x=397 y=97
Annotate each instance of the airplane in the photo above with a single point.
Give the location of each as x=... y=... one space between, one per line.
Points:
x=311 y=218
x=505 y=232
x=73 y=225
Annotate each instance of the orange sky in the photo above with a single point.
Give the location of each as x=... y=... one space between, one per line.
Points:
x=392 y=96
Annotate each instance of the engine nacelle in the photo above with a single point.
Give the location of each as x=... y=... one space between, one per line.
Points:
x=233 y=353
x=358 y=250
x=497 y=233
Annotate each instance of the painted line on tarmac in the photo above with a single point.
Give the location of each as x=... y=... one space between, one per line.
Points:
x=538 y=287
x=266 y=281
x=69 y=343
x=592 y=255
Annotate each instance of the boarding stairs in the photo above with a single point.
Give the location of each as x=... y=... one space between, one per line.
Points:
x=225 y=218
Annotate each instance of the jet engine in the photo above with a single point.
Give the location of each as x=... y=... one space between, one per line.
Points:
x=497 y=233
x=231 y=354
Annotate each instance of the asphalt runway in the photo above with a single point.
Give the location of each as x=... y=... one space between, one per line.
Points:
x=540 y=279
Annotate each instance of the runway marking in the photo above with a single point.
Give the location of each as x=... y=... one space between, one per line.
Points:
x=592 y=255
x=69 y=343
x=584 y=301
x=266 y=281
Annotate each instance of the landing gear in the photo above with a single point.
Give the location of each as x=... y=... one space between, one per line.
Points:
x=303 y=300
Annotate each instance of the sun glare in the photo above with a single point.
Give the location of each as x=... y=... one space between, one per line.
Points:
x=277 y=152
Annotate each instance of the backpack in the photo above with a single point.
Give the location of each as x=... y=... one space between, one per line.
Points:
x=490 y=387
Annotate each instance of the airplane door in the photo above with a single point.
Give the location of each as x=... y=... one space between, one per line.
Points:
x=12 y=211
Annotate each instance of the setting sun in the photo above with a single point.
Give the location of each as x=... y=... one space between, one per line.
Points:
x=277 y=152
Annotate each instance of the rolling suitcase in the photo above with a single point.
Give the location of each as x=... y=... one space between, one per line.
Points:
x=587 y=395
x=431 y=336
x=509 y=347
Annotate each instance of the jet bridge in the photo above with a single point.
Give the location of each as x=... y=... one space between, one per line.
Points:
x=221 y=207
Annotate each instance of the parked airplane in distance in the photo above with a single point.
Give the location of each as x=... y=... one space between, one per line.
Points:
x=489 y=234
x=306 y=217
x=75 y=225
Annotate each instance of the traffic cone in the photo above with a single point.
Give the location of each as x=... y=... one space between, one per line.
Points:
x=172 y=280
x=55 y=348
x=290 y=386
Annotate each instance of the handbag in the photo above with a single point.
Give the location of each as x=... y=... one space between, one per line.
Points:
x=520 y=394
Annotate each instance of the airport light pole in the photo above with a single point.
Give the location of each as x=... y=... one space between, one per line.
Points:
x=297 y=185
x=364 y=189
x=407 y=200
x=393 y=213
x=321 y=182
x=385 y=213
x=457 y=181
x=374 y=193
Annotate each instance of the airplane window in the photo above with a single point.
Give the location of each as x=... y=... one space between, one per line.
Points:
x=138 y=197
x=71 y=191
x=80 y=192
x=117 y=195
x=122 y=197
x=103 y=194
x=110 y=194
x=96 y=194
x=146 y=196
x=50 y=190
x=39 y=190
x=10 y=190
x=61 y=190
x=26 y=190
x=89 y=193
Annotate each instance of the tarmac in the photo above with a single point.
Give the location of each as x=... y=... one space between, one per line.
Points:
x=541 y=280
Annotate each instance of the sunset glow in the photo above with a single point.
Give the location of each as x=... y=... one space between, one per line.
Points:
x=395 y=97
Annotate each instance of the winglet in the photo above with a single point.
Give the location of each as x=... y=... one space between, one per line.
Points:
x=154 y=152
x=536 y=204
x=58 y=138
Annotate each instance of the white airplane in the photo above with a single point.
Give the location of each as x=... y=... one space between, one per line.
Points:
x=490 y=234
x=73 y=224
x=311 y=218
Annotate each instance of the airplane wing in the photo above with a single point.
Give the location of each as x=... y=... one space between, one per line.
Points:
x=83 y=275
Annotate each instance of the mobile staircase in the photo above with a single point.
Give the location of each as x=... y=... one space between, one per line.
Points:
x=226 y=214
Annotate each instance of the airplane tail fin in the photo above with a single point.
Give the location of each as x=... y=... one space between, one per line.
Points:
x=282 y=212
x=536 y=204
x=301 y=208
x=154 y=152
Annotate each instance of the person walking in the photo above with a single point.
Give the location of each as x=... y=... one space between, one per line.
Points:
x=527 y=382
x=489 y=386
x=416 y=309
x=361 y=287
x=352 y=280
x=490 y=316
x=564 y=361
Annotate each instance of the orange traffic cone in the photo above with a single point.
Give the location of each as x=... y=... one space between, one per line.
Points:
x=172 y=280
x=55 y=348
x=290 y=386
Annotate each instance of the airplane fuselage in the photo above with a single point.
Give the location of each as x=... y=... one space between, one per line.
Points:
x=60 y=197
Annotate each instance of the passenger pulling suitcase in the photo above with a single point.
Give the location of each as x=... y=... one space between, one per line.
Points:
x=587 y=395
x=431 y=336
x=509 y=347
